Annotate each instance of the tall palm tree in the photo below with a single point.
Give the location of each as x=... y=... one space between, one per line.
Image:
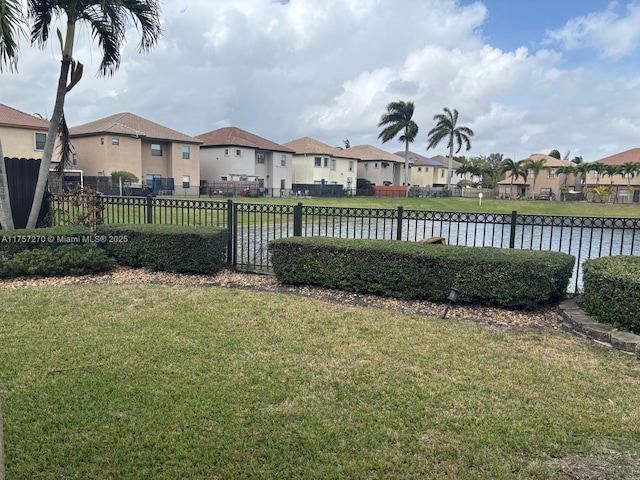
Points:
x=583 y=170
x=10 y=30
x=108 y=21
x=515 y=170
x=611 y=171
x=398 y=120
x=535 y=167
x=565 y=170
x=598 y=169
x=446 y=127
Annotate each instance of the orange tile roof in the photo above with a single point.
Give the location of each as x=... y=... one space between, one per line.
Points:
x=132 y=125
x=236 y=137
x=10 y=117
x=632 y=155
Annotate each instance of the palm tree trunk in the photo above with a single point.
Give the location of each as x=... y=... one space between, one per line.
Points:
x=47 y=154
x=450 y=167
x=6 y=217
x=406 y=165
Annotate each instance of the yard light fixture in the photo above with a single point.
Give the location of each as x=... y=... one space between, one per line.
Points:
x=453 y=297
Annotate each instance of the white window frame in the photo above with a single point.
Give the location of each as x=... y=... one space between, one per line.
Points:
x=186 y=152
x=332 y=165
x=283 y=160
x=115 y=141
x=43 y=141
x=156 y=150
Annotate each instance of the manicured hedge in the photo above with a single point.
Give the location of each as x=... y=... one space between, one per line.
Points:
x=523 y=279
x=612 y=291
x=172 y=248
x=15 y=241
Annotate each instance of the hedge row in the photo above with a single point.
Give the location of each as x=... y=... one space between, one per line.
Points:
x=522 y=279
x=171 y=248
x=612 y=291
x=73 y=250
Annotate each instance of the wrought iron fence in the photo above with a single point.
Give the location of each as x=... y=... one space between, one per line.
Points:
x=253 y=225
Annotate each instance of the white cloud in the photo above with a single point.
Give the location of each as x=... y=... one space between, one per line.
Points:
x=612 y=34
x=327 y=68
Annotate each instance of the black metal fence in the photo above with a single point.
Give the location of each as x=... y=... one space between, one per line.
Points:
x=253 y=225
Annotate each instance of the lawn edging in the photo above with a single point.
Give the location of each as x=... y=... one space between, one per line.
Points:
x=577 y=322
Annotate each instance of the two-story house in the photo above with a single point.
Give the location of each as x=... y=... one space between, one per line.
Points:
x=379 y=166
x=22 y=135
x=231 y=154
x=316 y=164
x=165 y=160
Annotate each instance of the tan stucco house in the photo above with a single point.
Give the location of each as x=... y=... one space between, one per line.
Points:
x=547 y=185
x=164 y=159
x=231 y=154
x=425 y=171
x=22 y=135
x=316 y=163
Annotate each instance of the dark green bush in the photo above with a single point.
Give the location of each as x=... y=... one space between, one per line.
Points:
x=171 y=248
x=15 y=241
x=523 y=279
x=51 y=261
x=612 y=291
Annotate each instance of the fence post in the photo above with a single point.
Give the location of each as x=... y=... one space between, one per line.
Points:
x=399 y=224
x=149 y=208
x=297 y=220
x=512 y=233
x=233 y=232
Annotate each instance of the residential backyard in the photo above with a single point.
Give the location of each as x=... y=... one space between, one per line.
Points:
x=158 y=381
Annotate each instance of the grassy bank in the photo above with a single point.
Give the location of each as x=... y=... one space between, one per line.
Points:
x=179 y=382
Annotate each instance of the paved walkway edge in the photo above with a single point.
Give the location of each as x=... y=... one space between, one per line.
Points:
x=575 y=321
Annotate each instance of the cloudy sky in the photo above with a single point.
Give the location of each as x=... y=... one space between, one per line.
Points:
x=527 y=76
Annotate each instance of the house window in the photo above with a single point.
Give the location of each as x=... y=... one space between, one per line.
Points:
x=186 y=181
x=596 y=175
x=226 y=152
x=101 y=140
x=333 y=165
x=530 y=173
x=426 y=169
x=283 y=183
x=259 y=157
x=545 y=191
x=375 y=165
x=419 y=169
x=442 y=173
x=115 y=141
x=326 y=162
x=318 y=162
x=283 y=160
x=552 y=173
x=41 y=139
x=351 y=165
x=156 y=150
x=507 y=190
x=223 y=179
x=186 y=152
x=238 y=152
x=74 y=159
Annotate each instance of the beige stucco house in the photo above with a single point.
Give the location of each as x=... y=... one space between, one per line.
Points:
x=231 y=154
x=316 y=163
x=378 y=166
x=425 y=171
x=164 y=159
x=22 y=135
x=547 y=184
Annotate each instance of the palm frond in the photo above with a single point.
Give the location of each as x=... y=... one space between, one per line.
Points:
x=11 y=19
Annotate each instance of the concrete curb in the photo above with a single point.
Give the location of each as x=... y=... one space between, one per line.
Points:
x=576 y=322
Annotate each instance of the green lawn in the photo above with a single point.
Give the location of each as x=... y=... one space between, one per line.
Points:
x=466 y=205
x=166 y=382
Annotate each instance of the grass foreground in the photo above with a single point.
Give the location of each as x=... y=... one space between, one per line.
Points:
x=160 y=382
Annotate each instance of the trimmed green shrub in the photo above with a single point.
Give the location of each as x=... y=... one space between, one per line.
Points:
x=52 y=262
x=612 y=291
x=523 y=279
x=15 y=241
x=171 y=248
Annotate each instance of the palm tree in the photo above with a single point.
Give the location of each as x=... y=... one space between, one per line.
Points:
x=629 y=170
x=598 y=169
x=612 y=170
x=108 y=21
x=10 y=30
x=565 y=170
x=535 y=167
x=446 y=128
x=398 y=119
x=515 y=170
x=583 y=170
